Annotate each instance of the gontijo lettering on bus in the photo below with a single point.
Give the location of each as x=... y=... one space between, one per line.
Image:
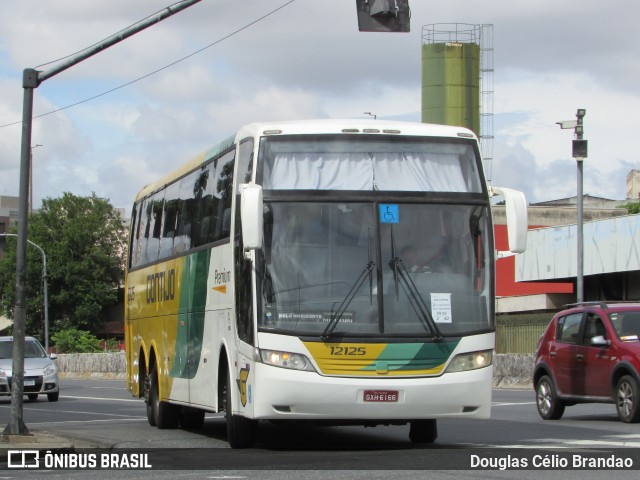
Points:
x=161 y=286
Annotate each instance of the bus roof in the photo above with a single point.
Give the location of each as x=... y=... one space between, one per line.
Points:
x=302 y=127
x=186 y=167
x=363 y=126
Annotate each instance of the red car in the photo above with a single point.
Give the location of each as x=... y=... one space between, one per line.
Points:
x=590 y=353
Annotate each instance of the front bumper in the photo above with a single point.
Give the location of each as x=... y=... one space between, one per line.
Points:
x=283 y=394
x=32 y=384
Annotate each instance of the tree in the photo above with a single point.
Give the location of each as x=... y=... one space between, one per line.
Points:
x=84 y=239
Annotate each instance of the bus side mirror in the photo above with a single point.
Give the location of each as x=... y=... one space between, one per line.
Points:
x=517 y=220
x=251 y=215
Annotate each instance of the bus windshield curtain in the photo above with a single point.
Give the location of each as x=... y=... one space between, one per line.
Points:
x=435 y=172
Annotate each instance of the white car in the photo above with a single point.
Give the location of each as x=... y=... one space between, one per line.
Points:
x=40 y=373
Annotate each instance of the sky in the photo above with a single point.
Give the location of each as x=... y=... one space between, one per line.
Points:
x=288 y=60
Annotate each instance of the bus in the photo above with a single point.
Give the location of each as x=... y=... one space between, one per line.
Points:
x=332 y=271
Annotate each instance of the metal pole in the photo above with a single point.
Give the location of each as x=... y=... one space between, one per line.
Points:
x=45 y=288
x=117 y=38
x=580 y=278
x=16 y=424
x=32 y=79
x=31 y=177
x=579 y=156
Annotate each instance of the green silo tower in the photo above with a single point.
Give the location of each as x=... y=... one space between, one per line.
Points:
x=451 y=75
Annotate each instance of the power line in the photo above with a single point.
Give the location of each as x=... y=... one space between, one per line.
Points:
x=186 y=57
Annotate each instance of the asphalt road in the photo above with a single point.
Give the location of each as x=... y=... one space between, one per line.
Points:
x=102 y=413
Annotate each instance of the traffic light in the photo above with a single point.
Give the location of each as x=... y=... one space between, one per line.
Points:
x=383 y=15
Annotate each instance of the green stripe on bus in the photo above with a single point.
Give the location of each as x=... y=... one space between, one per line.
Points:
x=193 y=298
x=414 y=356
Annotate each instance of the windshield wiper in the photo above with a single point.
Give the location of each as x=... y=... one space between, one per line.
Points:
x=416 y=301
x=335 y=317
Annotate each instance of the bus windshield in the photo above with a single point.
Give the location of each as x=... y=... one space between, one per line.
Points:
x=372 y=268
x=381 y=163
x=375 y=265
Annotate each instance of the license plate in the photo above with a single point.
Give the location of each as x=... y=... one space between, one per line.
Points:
x=380 y=395
x=29 y=383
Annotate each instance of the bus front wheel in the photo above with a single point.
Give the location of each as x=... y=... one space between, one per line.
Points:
x=423 y=431
x=241 y=431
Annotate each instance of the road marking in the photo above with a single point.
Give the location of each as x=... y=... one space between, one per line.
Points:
x=66 y=422
x=86 y=413
x=607 y=441
x=62 y=395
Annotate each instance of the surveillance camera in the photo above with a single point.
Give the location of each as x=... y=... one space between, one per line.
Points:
x=567 y=124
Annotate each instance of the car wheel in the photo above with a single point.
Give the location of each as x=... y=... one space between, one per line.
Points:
x=166 y=415
x=550 y=407
x=241 y=432
x=628 y=399
x=53 y=397
x=423 y=431
x=33 y=396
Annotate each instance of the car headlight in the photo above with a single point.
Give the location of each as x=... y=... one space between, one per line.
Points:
x=49 y=370
x=3 y=373
x=470 y=361
x=294 y=361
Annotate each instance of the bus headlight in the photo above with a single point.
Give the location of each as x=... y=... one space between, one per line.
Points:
x=294 y=361
x=470 y=361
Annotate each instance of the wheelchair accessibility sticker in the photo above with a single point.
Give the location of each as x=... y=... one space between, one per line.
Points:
x=389 y=213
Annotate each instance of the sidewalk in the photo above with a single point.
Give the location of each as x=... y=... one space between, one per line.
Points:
x=42 y=441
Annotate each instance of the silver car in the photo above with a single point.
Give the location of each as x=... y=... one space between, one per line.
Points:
x=40 y=373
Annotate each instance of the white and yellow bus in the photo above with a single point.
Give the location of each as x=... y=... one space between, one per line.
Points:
x=333 y=271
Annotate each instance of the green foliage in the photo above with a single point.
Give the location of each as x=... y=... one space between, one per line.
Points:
x=632 y=208
x=112 y=345
x=75 y=341
x=84 y=240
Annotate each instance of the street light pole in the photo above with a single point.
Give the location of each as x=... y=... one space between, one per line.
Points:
x=31 y=177
x=45 y=288
x=31 y=79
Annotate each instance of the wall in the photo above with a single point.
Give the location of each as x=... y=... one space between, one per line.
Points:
x=510 y=370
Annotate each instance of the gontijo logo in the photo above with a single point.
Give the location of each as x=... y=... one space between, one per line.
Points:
x=161 y=286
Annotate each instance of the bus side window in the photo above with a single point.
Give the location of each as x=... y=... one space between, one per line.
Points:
x=143 y=231
x=133 y=236
x=223 y=188
x=244 y=304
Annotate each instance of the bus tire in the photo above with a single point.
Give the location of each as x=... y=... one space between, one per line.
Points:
x=191 y=418
x=164 y=414
x=423 y=431
x=151 y=418
x=241 y=432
